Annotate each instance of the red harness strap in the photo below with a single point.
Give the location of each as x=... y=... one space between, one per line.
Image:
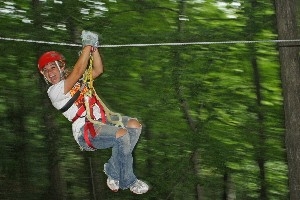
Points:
x=89 y=126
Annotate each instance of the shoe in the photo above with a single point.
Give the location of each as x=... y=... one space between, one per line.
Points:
x=139 y=187
x=112 y=184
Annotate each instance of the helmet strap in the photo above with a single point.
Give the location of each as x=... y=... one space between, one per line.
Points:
x=46 y=80
x=62 y=74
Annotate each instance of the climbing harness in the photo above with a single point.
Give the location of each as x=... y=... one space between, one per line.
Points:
x=91 y=99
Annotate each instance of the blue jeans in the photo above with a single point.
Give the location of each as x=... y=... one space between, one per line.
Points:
x=120 y=165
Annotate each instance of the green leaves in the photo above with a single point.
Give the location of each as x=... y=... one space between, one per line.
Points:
x=191 y=99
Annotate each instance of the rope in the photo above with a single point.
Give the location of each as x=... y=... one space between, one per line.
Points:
x=88 y=81
x=156 y=44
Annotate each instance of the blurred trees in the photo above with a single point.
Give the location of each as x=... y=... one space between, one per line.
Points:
x=212 y=113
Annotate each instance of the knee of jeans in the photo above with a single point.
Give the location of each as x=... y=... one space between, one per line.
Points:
x=133 y=123
x=121 y=132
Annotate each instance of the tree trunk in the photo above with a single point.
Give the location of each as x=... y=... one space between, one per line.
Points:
x=56 y=189
x=176 y=76
x=253 y=27
x=260 y=146
x=229 y=192
x=21 y=144
x=290 y=75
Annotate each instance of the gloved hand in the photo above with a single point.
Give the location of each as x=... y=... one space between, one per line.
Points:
x=89 y=39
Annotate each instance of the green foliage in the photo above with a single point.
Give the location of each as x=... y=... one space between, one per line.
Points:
x=152 y=83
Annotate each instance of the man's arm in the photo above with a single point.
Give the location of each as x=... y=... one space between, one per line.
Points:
x=78 y=70
x=97 y=64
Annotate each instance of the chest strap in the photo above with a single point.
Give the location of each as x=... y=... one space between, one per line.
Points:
x=73 y=99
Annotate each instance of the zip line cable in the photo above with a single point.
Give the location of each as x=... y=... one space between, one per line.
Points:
x=156 y=44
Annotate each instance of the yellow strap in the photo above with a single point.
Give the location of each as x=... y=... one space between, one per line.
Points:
x=88 y=81
x=88 y=77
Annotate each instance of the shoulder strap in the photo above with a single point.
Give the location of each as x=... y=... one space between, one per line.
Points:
x=73 y=99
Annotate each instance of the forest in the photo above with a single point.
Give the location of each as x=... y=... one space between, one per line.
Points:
x=215 y=84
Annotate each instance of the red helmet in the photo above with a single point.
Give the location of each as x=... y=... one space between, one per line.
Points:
x=49 y=56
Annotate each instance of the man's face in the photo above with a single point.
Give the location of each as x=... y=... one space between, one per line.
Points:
x=52 y=73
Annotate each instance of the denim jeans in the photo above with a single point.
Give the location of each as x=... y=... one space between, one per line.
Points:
x=120 y=165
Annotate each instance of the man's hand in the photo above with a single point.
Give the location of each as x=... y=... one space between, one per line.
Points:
x=89 y=39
